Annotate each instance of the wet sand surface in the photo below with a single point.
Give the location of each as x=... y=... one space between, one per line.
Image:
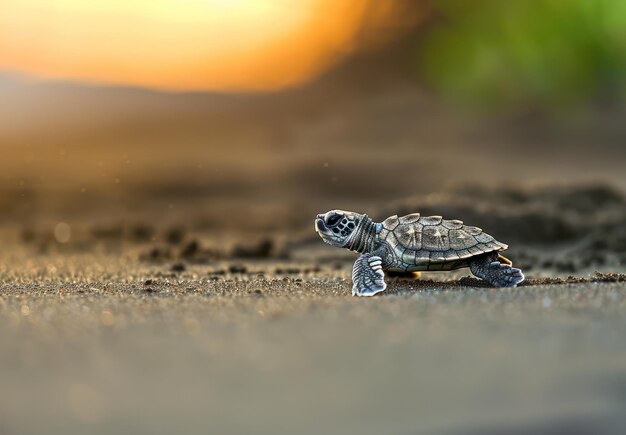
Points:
x=97 y=343
x=196 y=324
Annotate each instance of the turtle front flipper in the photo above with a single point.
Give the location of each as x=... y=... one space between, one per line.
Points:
x=494 y=272
x=368 y=277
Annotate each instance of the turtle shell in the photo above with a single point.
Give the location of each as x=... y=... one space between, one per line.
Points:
x=428 y=240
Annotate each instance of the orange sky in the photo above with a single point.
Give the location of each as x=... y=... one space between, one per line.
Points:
x=190 y=44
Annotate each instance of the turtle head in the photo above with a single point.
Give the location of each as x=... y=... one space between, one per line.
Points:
x=336 y=226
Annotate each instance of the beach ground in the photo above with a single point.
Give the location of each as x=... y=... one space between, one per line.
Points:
x=100 y=343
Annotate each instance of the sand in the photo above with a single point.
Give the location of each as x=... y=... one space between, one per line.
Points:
x=99 y=344
x=138 y=327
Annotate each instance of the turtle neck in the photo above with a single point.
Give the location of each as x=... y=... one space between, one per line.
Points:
x=362 y=239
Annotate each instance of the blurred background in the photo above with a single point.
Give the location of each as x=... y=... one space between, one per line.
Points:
x=161 y=163
x=220 y=107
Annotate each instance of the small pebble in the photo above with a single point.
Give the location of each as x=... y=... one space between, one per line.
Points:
x=178 y=267
x=237 y=268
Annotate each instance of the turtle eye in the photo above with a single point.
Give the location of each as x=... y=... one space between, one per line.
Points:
x=333 y=219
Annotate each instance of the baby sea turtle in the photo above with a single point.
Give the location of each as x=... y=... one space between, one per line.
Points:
x=414 y=243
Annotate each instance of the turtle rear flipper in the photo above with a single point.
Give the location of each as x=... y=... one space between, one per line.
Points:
x=489 y=268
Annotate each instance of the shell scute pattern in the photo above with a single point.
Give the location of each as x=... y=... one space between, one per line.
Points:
x=392 y=240
x=429 y=240
x=408 y=256
x=461 y=239
x=493 y=247
x=484 y=238
x=473 y=230
x=483 y=247
x=453 y=224
x=435 y=238
x=422 y=257
x=439 y=266
x=409 y=235
x=391 y=222
x=410 y=218
x=474 y=250
x=383 y=234
x=430 y=220
x=437 y=257
x=451 y=255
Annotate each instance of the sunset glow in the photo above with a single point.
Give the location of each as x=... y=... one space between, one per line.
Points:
x=186 y=44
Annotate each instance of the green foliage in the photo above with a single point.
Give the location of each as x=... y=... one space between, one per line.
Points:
x=527 y=52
